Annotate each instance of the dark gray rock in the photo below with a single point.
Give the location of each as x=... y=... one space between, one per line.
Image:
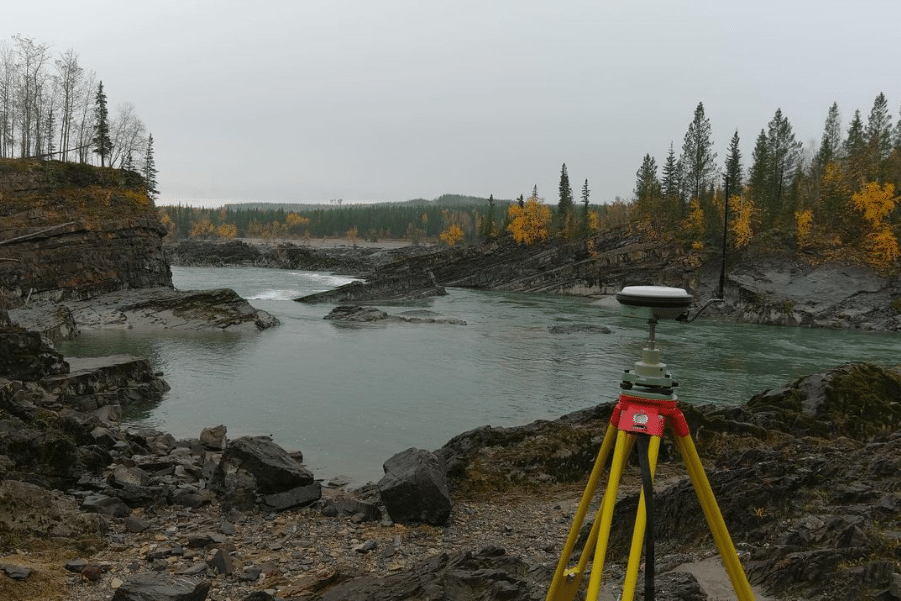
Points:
x=161 y=587
x=357 y=314
x=345 y=506
x=673 y=586
x=456 y=577
x=15 y=572
x=579 y=328
x=222 y=562
x=105 y=505
x=300 y=496
x=253 y=466
x=414 y=488
x=135 y=524
x=190 y=496
x=25 y=356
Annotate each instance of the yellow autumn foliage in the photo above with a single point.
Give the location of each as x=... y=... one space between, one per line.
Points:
x=452 y=235
x=876 y=202
x=529 y=223
x=803 y=223
x=227 y=230
x=740 y=224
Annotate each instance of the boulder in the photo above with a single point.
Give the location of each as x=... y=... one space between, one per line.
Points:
x=414 y=488
x=356 y=313
x=25 y=356
x=252 y=466
x=161 y=587
x=291 y=499
x=345 y=506
x=214 y=438
x=105 y=505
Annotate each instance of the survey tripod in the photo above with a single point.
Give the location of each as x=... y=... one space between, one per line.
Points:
x=646 y=406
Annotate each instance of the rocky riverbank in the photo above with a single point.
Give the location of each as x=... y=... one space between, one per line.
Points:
x=143 y=309
x=763 y=285
x=807 y=478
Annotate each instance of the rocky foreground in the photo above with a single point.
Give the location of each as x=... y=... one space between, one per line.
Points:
x=807 y=478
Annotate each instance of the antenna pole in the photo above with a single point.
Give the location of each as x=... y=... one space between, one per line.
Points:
x=725 y=231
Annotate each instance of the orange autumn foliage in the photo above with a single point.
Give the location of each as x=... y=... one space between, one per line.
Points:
x=529 y=223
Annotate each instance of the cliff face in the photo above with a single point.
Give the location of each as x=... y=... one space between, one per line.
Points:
x=71 y=232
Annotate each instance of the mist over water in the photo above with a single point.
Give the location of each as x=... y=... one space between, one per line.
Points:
x=351 y=395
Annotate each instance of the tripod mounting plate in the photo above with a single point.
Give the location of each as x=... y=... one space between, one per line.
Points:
x=654 y=302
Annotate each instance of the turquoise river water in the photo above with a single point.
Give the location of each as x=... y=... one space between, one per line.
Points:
x=350 y=396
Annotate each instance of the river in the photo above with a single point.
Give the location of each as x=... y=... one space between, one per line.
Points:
x=350 y=396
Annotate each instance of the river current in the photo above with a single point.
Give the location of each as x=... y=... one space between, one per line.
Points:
x=350 y=396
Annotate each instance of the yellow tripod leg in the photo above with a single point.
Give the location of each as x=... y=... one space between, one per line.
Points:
x=566 y=582
x=714 y=519
x=641 y=522
x=592 y=541
x=606 y=513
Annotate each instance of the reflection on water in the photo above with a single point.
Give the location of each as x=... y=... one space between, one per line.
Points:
x=350 y=396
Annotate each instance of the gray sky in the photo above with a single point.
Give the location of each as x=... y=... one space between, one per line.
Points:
x=382 y=100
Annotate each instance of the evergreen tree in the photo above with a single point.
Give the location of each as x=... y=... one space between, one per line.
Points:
x=150 y=170
x=671 y=185
x=697 y=154
x=565 y=205
x=489 y=219
x=831 y=142
x=585 y=225
x=734 y=166
x=103 y=144
x=758 y=175
x=784 y=156
x=856 y=150
x=647 y=193
x=878 y=136
x=897 y=137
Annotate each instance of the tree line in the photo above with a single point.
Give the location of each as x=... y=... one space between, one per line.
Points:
x=450 y=219
x=52 y=107
x=838 y=196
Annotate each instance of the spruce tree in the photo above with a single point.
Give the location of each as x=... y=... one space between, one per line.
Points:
x=831 y=142
x=897 y=136
x=565 y=205
x=150 y=170
x=103 y=144
x=647 y=191
x=585 y=224
x=734 y=166
x=784 y=155
x=758 y=181
x=856 y=149
x=697 y=154
x=878 y=136
x=489 y=219
x=671 y=186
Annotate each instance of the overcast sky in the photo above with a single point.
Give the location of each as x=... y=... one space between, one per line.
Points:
x=377 y=100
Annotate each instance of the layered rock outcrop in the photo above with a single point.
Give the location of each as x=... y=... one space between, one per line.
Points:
x=70 y=231
x=81 y=247
x=761 y=285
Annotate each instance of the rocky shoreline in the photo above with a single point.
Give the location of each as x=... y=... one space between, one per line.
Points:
x=807 y=478
x=762 y=286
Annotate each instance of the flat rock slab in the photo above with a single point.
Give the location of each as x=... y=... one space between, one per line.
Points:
x=150 y=309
